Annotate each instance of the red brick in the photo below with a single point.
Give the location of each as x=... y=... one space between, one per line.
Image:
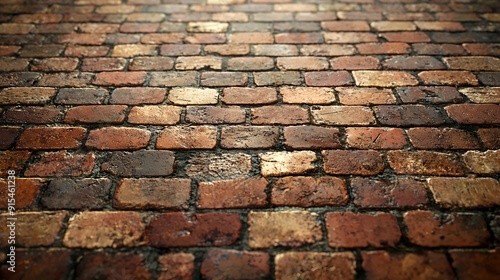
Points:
x=301 y=95
x=342 y=115
x=118 y=266
x=384 y=78
x=393 y=266
x=45 y=138
x=377 y=138
x=61 y=163
x=223 y=79
x=480 y=49
x=413 y=63
x=33 y=115
x=345 y=25
x=180 y=49
x=328 y=78
x=490 y=137
x=277 y=78
x=327 y=50
x=232 y=264
x=245 y=95
x=178 y=229
x=229 y=49
x=442 y=138
x=365 y=96
x=283 y=228
x=152 y=194
x=315 y=265
x=275 y=50
x=176 y=266
x=428 y=229
x=298 y=38
x=26 y=95
x=409 y=115
x=452 y=78
x=8 y=50
x=39 y=263
x=140 y=163
x=457 y=17
x=476 y=265
x=438 y=49
x=27 y=191
x=187 y=137
x=425 y=163
x=114 y=114
x=214 y=115
x=279 y=115
x=406 y=36
x=474 y=113
x=118 y=138
x=353 y=162
x=302 y=63
x=251 y=38
x=242 y=193
x=311 y=137
x=104 y=229
x=349 y=37
x=248 y=137
x=103 y=64
x=430 y=94
x=309 y=192
x=155 y=115
x=9 y=135
x=13 y=160
x=286 y=163
x=483 y=162
x=357 y=230
x=137 y=96
x=250 y=63
x=354 y=63
x=219 y=166
x=120 y=78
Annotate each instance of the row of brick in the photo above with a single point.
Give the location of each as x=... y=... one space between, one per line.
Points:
x=233 y=264
x=299 y=191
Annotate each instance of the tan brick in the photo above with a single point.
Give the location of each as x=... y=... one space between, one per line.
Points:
x=16 y=28
x=135 y=78
x=328 y=78
x=307 y=95
x=384 y=78
x=242 y=193
x=353 y=25
x=483 y=162
x=377 y=138
x=277 y=78
x=354 y=63
x=302 y=63
x=215 y=115
x=151 y=64
x=207 y=27
x=250 y=63
x=193 y=96
x=118 y=138
x=286 y=163
x=349 y=37
x=384 y=26
x=198 y=63
x=251 y=38
x=155 y=115
x=365 y=96
x=230 y=17
x=449 y=77
x=230 y=49
x=244 y=95
x=275 y=50
x=223 y=79
x=219 y=166
x=279 y=115
x=203 y=38
x=187 y=137
x=342 y=115
x=440 y=26
x=249 y=137
x=353 y=162
x=327 y=50
x=315 y=265
x=482 y=94
x=130 y=50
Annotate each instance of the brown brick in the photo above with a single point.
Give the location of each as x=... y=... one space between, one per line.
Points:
x=284 y=228
x=409 y=115
x=476 y=265
x=330 y=78
x=242 y=193
x=134 y=27
x=187 y=137
x=431 y=94
x=44 y=138
x=27 y=191
x=151 y=64
x=349 y=37
x=490 y=137
x=219 y=166
x=8 y=64
x=156 y=38
x=442 y=138
x=228 y=49
x=140 y=163
x=391 y=266
x=55 y=65
x=86 y=51
x=365 y=96
x=9 y=135
x=120 y=78
x=309 y=191
x=21 y=79
x=384 y=78
x=440 y=26
x=277 y=78
x=71 y=79
x=103 y=64
x=214 y=115
x=452 y=78
x=354 y=25
x=137 y=96
x=80 y=96
x=152 y=194
x=354 y=63
x=118 y=266
x=118 y=138
x=327 y=50
x=406 y=36
x=8 y=50
x=114 y=114
x=232 y=264
x=34 y=228
x=251 y=38
x=378 y=138
x=204 y=38
x=481 y=49
x=311 y=137
x=80 y=39
x=155 y=115
x=302 y=63
x=198 y=62
x=279 y=115
x=16 y=28
x=342 y=115
x=425 y=163
x=428 y=229
x=301 y=95
x=275 y=50
x=250 y=63
x=176 y=266
x=33 y=115
x=286 y=163
x=482 y=94
x=65 y=193
x=398 y=193
x=180 y=49
x=413 y=63
x=249 y=137
x=193 y=96
x=41 y=50
x=39 y=263
x=181 y=229
x=383 y=48
x=489 y=78
x=474 y=113
x=315 y=265
x=245 y=95
x=438 y=49
x=13 y=160
x=483 y=162
x=354 y=15
x=357 y=230
x=61 y=163
x=353 y=162
x=26 y=95
x=298 y=38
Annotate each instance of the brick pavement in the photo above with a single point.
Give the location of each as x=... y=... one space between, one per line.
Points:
x=259 y=139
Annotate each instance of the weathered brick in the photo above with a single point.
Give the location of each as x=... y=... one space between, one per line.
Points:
x=134 y=27
x=119 y=265
x=118 y=138
x=22 y=79
x=482 y=94
x=16 y=28
x=302 y=63
x=483 y=162
x=406 y=36
x=384 y=48
x=365 y=96
x=61 y=163
x=489 y=78
x=207 y=27
x=329 y=78
x=315 y=265
x=13 y=160
x=355 y=15
x=279 y=115
x=286 y=163
x=298 y=38
x=480 y=265
x=474 y=113
x=353 y=162
x=180 y=49
x=301 y=95
x=284 y=228
x=277 y=78
x=413 y=63
x=327 y=50
x=9 y=135
x=26 y=95
x=242 y=193
x=273 y=16
x=438 y=49
x=354 y=63
x=251 y=38
x=151 y=64
x=137 y=96
x=66 y=79
x=215 y=115
x=349 y=37
x=113 y=9
x=490 y=137
x=33 y=115
x=425 y=163
x=391 y=266
x=357 y=230
x=245 y=95
x=181 y=229
x=39 y=263
x=222 y=79
x=384 y=26
x=155 y=115
x=275 y=50
x=311 y=137
x=309 y=191
x=187 y=137
x=219 y=166
x=473 y=63
x=376 y=138
x=353 y=25
x=442 y=138
x=429 y=229
x=8 y=50
x=193 y=96
x=103 y=64
x=58 y=64
x=228 y=49
x=204 y=38
x=8 y=64
x=44 y=138
x=80 y=96
x=384 y=78
x=41 y=50
x=174 y=79
x=430 y=94
x=482 y=49
x=152 y=193
x=140 y=163
x=198 y=62
x=249 y=137
x=230 y=17
x=27 y=190
x=65 y=193
x=250 y=63
x=120 y=78
x=176 y=266
x=409 y=115
x=114 y=114
x=232 y=264
x=80 y=39
x=449 y=77
x=342 y=115
x=86 y=51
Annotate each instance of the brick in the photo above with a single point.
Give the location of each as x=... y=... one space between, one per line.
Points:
x=354 y=25
x=32 y=114
x=206 y=38
x=41 y=50
x=297 y=26
x=429 y=94
x=428 y=229
x=34 y=228
x=452 y=78
x=251 y=38
x=413 y=63
x=409 y=16
x=354 y=15
x=242 y=193
x=219 y=166
x=470 y=265
x=13 y=160
x=118 y=138
x=474 y=113
x=440 y=26
x=104 y=229
x=223 y=79
x=38 y=263
x=118 y=265
x=214 y=115
x=131 y=50
x=207 y=27
x=377 y=138
x=137 y=96
x=198 y=62
x=302 y=63
x=406 y=36
x=489 y=78
x=230 y=17
x=327 y=50
x=358 y=230
x=187 y=137
x=482 y=94
x=342 y=115
x=275 y=50
x=384 y=48
x=146 y=17
x=193 y=96
x=353 y=162
x=9 y=135
x=288 y=114
x=442 y=138
x=47 y=138
x=180 y=49
x=315 y=265
x=473 y=63
x=283 y=228
x=457 y=17
x=8 y=50
x=176 y=266
x=480 y=49
x=65 y=193
x=151 y=64
x=69 y=79
x=298 y=38
x=384 y=26
x=315 y=16
x=129 y=27
x=438 y=49
x=397 y=193
x=155 y=193
x=8 y=64
x=245 y=95
x=348 y=37
x=490 y=137
x=37 y=18
x=328 y=78
x=248 y=137
x=250 y=63
x=26 y=95
x=103 y=64
x=80 y=39
x=354 y=63
x=301 y=95
x=80 y=96
x=392 y=266
x=483 y=162
x=309 y=191
x=120 y=78
x=384 y=78
x=311 y=137
x=425 y=163
x=273 y=16
x=155 y=115
x=228 y=49
x=16 y=28
x=178 y=229
x=495 y=226
x=20 y=79
x=114 y=114
x=365 y=96
x=286 y=163
x=277 y=78
x=409 y=115
x=61 y=163
x=140 y=163
x=232 y=264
